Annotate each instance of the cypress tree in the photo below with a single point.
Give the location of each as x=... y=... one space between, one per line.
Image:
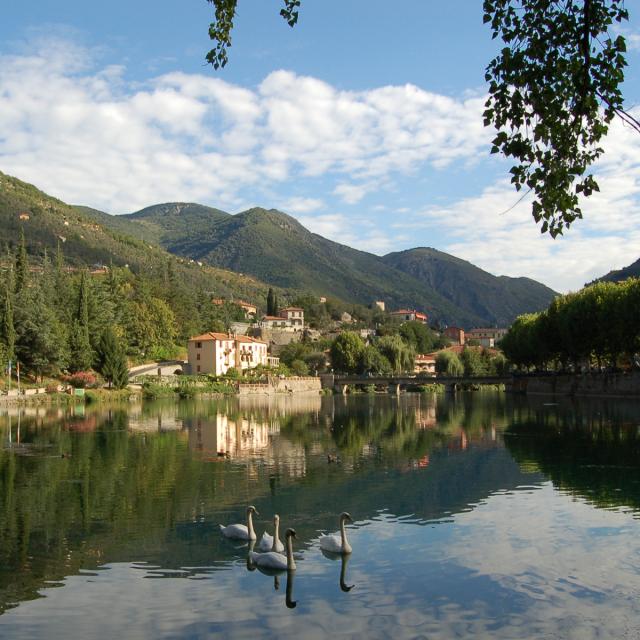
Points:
x=81 y=353
x=22 y=265
x=8 y=327
x=270 y=301
x=112 y=360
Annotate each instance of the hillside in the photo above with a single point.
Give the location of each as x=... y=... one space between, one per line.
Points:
x=632 y=271
x=274 y=247
x=498 y=299
x=47 y=222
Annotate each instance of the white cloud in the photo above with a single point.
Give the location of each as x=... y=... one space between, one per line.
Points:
x=351 y=193
x=88 y=135
x=491 y=232
x=359 y=233
x=302 y=205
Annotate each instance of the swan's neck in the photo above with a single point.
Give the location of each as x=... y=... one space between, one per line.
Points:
x=346 y=547
x=276 y=534
x=291 y=563
x=252 y=533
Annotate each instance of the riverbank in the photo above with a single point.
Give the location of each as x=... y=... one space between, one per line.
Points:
x=592 y=384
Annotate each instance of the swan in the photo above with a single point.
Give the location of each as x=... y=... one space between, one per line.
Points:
x=272 y=543
x=240 y=531
x=334 y=543
x=274 y=560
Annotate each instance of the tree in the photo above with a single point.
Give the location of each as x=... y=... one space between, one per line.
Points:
x=418 y=335
x=472 y=362
x=449 y=364
x=346 y=352
x=21 y=265
x=397 y=352
x=553 y=90
x=8 y=331
x=271 y=303
x=40 y=344
x=299 y=368
x=374 y=362
x=81 y=351
x=112 y=362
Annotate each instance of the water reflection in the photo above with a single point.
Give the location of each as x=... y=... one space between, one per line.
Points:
x=476 y=514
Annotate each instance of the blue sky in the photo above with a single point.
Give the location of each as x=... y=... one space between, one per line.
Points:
x=363 y=122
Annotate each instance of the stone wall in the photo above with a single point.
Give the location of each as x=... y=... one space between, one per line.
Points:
x=282 y=385
x=586 y=384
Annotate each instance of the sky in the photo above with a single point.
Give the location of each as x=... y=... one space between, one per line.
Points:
x=362 y=122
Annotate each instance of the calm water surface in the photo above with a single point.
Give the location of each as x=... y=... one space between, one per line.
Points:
x=475 y=516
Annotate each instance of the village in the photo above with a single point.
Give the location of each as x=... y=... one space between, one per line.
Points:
x=260 y=340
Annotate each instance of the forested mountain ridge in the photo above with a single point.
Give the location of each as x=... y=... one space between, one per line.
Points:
x=632 y=271
x=270 y=247
x=498 y=298
x=276 y=248
x=48 y=222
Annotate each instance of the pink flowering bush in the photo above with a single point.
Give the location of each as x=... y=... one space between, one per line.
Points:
x=82 y=379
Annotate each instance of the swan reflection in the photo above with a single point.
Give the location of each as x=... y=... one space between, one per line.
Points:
x=344 y=561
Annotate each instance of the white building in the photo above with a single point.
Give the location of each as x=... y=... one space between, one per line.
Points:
x=218 y=352
x=290 y=319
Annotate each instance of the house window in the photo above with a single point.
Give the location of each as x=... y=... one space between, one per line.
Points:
x=198 y=368
x=198 y=345
x=197 y=356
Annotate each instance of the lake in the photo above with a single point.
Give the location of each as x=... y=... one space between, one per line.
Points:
x=479 y=515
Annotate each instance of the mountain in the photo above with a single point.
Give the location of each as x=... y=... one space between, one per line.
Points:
x=498 y=299
x=277 y=249
x=271 y=247
x=632 y=271
x=289 y=256
x=86 y=240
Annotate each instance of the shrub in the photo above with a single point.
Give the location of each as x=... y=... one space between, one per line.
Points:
x=82 y=379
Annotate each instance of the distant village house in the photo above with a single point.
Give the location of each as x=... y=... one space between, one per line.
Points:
x=290 y=319
x=425 y=364
x=409 y=315
x=486 y=337
x=455 y=335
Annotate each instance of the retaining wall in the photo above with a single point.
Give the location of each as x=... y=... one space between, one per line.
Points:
x=586 y=384
x=282 y=385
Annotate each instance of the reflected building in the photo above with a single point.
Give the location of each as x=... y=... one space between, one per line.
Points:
x=166 y=419
x=246 y=437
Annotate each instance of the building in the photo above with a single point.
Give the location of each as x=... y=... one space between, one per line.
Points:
x=216 y=353
x=290 y=319
x=455 y=334
x=409 y=315
x=379 y=304
x=295 y=316
x=425 y=364
x=486 y=337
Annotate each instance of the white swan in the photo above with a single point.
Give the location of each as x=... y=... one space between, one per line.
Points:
x=272 y=543
x=240 y=531
x=274 y=560
x=334 y=543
